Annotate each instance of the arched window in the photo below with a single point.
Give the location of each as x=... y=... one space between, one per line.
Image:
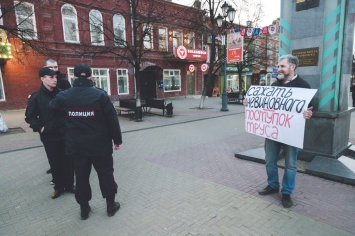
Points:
x=119 y=27
x=25 y=19
x=148 y=36
x=70 y=24
x=96 y=28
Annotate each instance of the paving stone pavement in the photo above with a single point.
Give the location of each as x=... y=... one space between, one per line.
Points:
x=176 y=176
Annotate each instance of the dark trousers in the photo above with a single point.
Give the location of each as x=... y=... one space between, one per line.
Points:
x=61 y=165
x=104 y=168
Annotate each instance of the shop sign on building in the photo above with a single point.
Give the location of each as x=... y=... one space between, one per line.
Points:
x=189 y=53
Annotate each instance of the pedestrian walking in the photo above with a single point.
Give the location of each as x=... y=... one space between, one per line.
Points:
x=287 y=65
x=92 y=125
x=50 y=126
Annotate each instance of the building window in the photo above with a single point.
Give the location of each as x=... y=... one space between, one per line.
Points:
x=70 y=73
x=163 y=39
x=101 y=79
x=208 y=50
x=1 y=22
x=122 y=81
x=25 y=19
x=70 y=24
x=177 y=39
x=233 y=83
x=148 y=37
x=99 y=76
x=2 y=91
x=190 y=40
x=119 y=27
x=172 y=80
x=96 y=28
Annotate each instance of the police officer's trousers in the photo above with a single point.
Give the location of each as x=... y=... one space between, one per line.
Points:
x=104 y=168
x=62 y=169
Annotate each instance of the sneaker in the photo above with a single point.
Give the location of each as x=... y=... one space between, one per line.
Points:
x=286 y=200
x=49 y=171
x=51 y=183
x=268 y=190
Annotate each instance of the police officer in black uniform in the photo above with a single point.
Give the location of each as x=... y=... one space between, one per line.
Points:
x=51 y=128
x=92 y=125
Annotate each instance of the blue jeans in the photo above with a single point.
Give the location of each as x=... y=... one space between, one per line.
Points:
x=272 y=151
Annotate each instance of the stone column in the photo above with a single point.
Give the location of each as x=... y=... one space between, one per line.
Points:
x=322 y=30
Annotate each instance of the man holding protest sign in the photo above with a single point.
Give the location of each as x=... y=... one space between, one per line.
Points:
x=272 y=112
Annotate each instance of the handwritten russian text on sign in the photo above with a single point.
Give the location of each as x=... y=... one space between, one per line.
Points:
x=276 y=113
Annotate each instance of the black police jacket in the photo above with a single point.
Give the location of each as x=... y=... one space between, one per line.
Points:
x=90 y=119
x=38 y=115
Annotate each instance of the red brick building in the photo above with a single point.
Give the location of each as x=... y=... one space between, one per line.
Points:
x=267 y=47
x=94 y=32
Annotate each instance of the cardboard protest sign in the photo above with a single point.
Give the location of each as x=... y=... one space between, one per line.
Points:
x=276 y=113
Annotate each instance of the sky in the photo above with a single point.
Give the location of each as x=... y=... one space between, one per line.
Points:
x=271 y=9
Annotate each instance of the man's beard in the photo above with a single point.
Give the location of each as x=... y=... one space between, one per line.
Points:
x=280 y=76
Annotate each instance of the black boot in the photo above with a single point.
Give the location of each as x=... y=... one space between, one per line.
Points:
x=112 y=206
x=84 y=211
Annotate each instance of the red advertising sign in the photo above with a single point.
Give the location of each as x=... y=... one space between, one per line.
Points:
x=234 y=48
x=189 y=53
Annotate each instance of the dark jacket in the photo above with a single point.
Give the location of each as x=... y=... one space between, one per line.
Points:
x=90 y=119
x=296 y=83
x=39 y=115
x=62 y=83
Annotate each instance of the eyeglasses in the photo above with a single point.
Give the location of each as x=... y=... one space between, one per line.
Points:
x=52 y=67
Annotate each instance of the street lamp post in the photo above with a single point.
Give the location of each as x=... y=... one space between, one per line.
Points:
x=227 y=11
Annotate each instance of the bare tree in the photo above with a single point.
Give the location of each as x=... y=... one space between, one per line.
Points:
x=131 y=47
x=246 y=10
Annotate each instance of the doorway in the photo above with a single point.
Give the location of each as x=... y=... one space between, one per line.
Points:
x=190 y=83
x=149 y=81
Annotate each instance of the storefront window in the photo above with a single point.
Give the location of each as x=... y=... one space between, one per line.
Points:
x=122 y=81
x=172 y=80
x=233 y=83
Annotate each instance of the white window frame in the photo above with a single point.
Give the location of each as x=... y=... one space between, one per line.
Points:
x=2 y=89
x=73 y=20
x=96 y=28
x=119 y=24
x=190 y=40
x=208 y=50
x=26 y=21
x=148 y=38
x=70 y=73
x=125 y=77
x=163 y=39
x=177 y=38
x=171 y=74
x=98 y=79
x=1 y=21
